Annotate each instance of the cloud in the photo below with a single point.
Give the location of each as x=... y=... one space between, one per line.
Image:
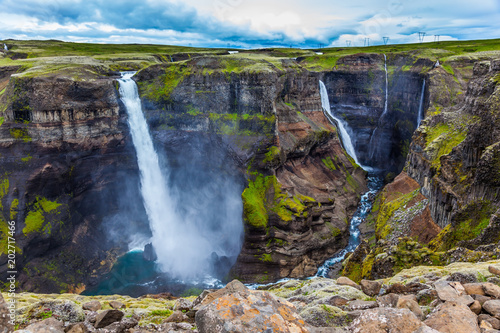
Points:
x=245 y=23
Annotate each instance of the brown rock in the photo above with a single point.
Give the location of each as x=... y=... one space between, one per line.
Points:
x=397 y=288
x=458 y=287
x=337 y=301
x=371 y=288
x=447 y=292
x=345 y=281
x=492 y=307
x=494 y=270
x=92 y=306
x=494 y=322
x=49 y=325
x=176 y=317
x=117 y=305
x=384 y=320
x=474 y=288
x=231 y=287
x=107 y=317
x=412 y=305
x=183 y=304
x=476 y=307
x=453 y=317
x=388 y=301
x=249 y=311
x=481 y=298
x=362 y=305
x=78 y=328
x=491 y=289
x=5 y=325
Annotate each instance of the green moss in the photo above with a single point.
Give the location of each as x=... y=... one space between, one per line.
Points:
x=441 y=139
x=13 y=208
x=467 y=224
x=254 y=202
x=329 y=163
x=26 y=159
x=264 y=196
x=35 y=220
x=266 y=258
x=272 y=154
x=159 y=90
x=386 y=210
x=20 y=133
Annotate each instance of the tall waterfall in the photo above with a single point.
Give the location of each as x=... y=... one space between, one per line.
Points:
x=183 y=243
x=5 y=47
x=346 y=139
x=373 y=147
x=420 y=116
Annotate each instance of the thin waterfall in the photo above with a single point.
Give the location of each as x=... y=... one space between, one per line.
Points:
x=5 y=47
x=346 y=139
x=420 y=116
x=371 y=146
x=182 y=250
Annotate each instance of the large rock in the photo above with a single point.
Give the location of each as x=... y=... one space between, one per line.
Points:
x=345 y=281
x=492 y=307
x=383 y=320
x=92 y=306
x=474 y=288
x=49 y=325
x=412 y=305
x=231 y=287
x=371 y=288
x=453 y=317
x=491 y=290
x=67 y=311
x=107 y=317
x=5 y=325
x=447 y=292
x=494 y=322
x=249 y=311
x=324 y=316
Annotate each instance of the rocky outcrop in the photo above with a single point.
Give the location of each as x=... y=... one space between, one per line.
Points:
x=63 y=144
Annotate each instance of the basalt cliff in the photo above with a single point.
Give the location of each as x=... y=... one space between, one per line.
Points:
x=257 y=118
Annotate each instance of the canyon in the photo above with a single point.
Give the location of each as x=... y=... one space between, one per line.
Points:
x=253 y=122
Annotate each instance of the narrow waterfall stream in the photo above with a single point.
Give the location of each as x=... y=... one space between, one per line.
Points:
x=373 y=147
x=421 y=106
x=375 y=182
x=5 y=47
x=341 y=125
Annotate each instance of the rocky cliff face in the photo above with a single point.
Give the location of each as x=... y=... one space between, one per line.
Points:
x=453 y=161
x=64 y=148
x=301 y=188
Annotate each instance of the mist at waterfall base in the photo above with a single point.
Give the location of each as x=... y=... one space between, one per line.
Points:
x=193 y=206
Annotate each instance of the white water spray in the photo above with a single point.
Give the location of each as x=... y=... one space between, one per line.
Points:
x=182 y=243
x=346 y=139
x=5 y=47
x=420 y=116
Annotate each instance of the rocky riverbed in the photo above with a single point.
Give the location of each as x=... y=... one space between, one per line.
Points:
x=461 y=297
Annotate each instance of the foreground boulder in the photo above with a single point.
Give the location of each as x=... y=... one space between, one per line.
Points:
x=453 y=317
x=49 y=325
x=108 y=317
x=5 y=326
x=384 y=320
x=249 y=311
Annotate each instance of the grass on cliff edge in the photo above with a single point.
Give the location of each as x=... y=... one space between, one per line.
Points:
x=32 y=49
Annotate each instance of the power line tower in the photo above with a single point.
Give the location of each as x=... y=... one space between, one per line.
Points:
x=367 y=41
x=386 y=40
x=348 y=43
x=436 y=38
x=421 y=36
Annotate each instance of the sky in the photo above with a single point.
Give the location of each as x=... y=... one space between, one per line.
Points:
x=250 y=23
